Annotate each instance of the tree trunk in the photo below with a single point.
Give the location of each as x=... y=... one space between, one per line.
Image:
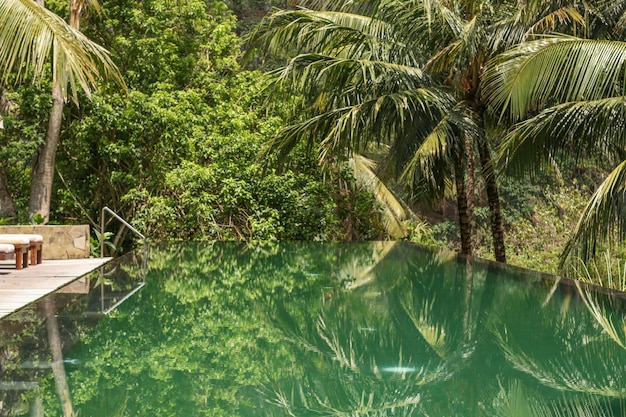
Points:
x=470 y=187
x=43 y=170
x=497 y=225
x=7 y=206
x=76 y=8
x=461 y=201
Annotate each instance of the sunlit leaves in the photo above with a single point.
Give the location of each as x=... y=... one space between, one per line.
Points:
x=33 y=36
x=554 y=70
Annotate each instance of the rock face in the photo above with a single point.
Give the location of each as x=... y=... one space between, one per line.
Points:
x=59 y=242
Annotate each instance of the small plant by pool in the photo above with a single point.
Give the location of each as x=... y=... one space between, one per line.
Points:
x=322 y=329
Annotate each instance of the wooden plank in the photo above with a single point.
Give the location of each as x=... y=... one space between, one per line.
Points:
x=18 y=288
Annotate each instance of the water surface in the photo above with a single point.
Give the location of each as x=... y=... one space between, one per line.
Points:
x=317 y=329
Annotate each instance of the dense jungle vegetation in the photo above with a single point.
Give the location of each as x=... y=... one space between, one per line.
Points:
x=482 y=126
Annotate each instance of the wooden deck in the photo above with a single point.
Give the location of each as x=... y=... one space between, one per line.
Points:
x=20 y=288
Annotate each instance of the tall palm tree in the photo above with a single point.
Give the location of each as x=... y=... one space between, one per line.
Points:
x=567 y=97
x=30 y=37
x=463 y=37
x=363 y=84
x=406 y=74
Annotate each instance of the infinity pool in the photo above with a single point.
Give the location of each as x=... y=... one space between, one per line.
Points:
x=315 y=329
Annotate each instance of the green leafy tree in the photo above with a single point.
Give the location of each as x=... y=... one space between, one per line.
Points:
x=179 y=155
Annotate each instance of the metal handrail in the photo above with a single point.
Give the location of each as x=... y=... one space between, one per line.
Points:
x=119 y=302
x=125 y=223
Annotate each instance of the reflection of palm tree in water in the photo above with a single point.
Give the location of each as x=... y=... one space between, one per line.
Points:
x=386 y=346
x=579 y=357
x=56 y=348
x=430 y=338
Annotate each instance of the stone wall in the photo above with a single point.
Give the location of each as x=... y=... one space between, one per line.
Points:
x=59 y=242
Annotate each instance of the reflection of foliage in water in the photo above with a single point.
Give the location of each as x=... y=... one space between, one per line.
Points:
x=22 y=329
x=356 y=330
x=192 y=339
x=559 y=345
x=389 y=346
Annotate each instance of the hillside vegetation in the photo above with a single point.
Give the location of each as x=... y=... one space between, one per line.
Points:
x=183 y=152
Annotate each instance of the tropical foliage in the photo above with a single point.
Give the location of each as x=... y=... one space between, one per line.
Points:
x=406 y=76
x=178 y=153
x=32 y=37
x=565 y=95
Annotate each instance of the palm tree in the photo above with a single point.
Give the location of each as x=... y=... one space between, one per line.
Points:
x=568 y=97
x=406 y=74
x=361 y=85
x=463 y=37
x=32 y=36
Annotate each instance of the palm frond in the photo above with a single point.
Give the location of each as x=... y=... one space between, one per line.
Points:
x=311 y=74
x=304 y=31
x=31 y=36
x=463 y=49
x=551 y=21
x=432 y=162
x=394 y=211
x=602 y=220
x=553 y=70
x=584 y=128
x=376 y=120
x=505 y=33
x=452 y=20
x=434 y=154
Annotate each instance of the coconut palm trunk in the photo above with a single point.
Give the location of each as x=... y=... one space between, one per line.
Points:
x=461 y=200
x=43 y=171
x=493 y=197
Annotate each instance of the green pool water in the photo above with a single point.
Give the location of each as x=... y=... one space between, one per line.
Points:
x=316 y=329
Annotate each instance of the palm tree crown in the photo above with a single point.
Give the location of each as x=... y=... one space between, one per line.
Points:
x=31 y=36
x=407 y=75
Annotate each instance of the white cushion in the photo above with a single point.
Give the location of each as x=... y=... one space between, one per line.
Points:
x=15 y=239
x=6 y=248
x=33 y=238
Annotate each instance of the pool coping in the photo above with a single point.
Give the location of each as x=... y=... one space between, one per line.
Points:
x=19 y=288
x=555 y=280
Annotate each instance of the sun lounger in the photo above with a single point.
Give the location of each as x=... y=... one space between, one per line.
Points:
x=36 y=248
x=7 y=251
x=21 y=244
